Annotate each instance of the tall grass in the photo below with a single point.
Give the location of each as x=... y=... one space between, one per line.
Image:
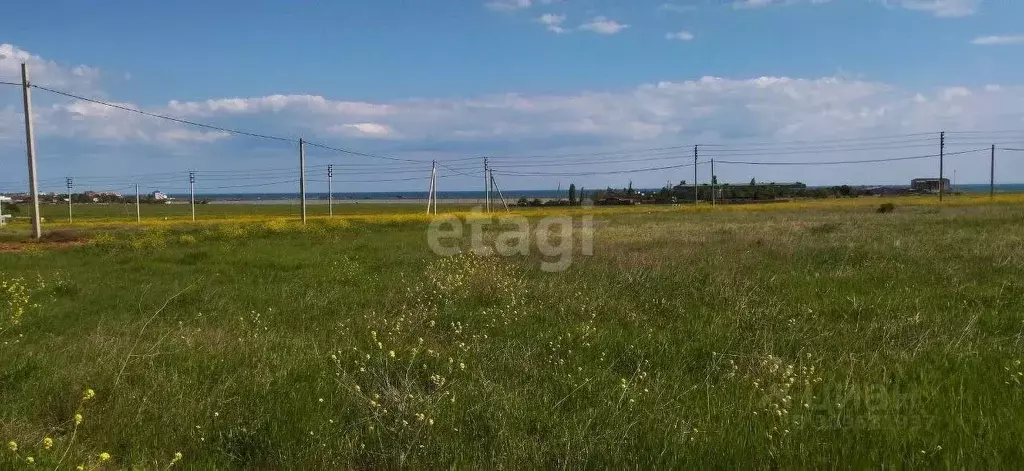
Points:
x=830 y=336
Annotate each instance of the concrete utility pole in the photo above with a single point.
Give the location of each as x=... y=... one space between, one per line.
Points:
x=71 y=184
x=302 y=177
x=430 y=188
x=138 y=210
x=330 y=191
x=942 y=158
x=496 y=188
x=992 y=174
x=712 y=181
x=433 y=185
x=487 y=189
x=192 y=193
x=30 y=146
x=694 y=175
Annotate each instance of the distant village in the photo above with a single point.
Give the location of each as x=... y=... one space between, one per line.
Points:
x=102 y=197
x=732 y=193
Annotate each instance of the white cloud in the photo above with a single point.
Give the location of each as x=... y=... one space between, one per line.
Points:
x=939 y=8
x=679 y=36
x=764 y=107
x=45 y=72
x=553 y=22
x=998 y=40
x=508 y=5
x=752 y=4
x=708 y=109
x=373 y=130
x=603 y=25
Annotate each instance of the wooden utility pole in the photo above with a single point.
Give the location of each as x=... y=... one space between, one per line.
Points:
x=30 y=146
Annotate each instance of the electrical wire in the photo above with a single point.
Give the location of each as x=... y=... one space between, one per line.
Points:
x=612 y=172
x=845 y=162
x=168 y=118
x=361 y=154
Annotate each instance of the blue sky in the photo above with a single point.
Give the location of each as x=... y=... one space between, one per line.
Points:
x=452 y=80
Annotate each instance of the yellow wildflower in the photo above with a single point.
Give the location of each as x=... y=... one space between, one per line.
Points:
x=78 y=419
x=30 y=460
x=89 y=394
x=47 y=443
x=104 y=456
x=12 y=445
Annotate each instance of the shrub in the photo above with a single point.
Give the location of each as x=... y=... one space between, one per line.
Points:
x=886 y=208
x=62 y=235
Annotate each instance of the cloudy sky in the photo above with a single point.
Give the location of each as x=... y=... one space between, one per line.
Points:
x=596 y=92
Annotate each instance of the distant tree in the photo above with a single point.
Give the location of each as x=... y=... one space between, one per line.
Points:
x=522 y=201
x=12 y=209
x=572 y=194
x=753 y=182
x=629 y=191
x=714 y=179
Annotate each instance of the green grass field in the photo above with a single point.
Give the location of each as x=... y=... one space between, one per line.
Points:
x=787 y=338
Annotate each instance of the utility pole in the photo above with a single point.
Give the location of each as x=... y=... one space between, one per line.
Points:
x=30 y=146
x=433 y=184
x=138 y=210
x=330 y=191
x=495 y=185
x=992 y=174
x=487 y=189
x=694 y=175
x=942 y=158
x=302 y=177
x=430 y=188
x=712 y=181
x=71 y=184
x=192 y=193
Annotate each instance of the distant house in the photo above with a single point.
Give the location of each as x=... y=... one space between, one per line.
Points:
x=4 y=217
x=157 y=195
x=929 y=184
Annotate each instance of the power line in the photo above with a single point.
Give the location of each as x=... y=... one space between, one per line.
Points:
x=169 y=118
x=611 y=172
x=439 y=164
x=844 y=162
x=251 y=185
x=361 y=154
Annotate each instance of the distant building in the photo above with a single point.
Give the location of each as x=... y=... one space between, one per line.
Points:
x=4 y=217
x=157 y=195
x=929 y=184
